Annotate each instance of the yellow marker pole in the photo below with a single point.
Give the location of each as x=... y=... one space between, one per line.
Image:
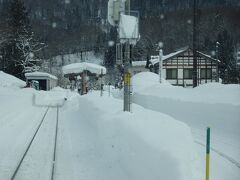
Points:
x=208 y=154
x=127 y=83
x=127 y=79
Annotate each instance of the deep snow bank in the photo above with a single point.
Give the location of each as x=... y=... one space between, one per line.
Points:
x=7 y=80
x=146 y=83
x=213 y=104
x=144 y=80
x=140 y=145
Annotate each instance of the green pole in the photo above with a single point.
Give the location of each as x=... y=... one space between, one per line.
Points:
x=208 y=154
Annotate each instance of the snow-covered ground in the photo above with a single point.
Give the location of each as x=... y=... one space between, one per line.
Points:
x=9 y=81
x=105 y=143
x=95 y=139
x=211 y=105
x=161 y=139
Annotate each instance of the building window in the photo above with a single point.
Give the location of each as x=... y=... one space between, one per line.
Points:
x=187 y=73
x=171 y=73
x=206 y=73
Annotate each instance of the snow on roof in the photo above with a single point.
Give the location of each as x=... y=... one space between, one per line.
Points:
x=40 y=74
x=208 y=56
x=155 y=59
x=139 y=63
x=7 y=80
x=128 y=29
x=77 y=68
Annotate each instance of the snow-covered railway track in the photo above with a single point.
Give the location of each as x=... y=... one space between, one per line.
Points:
x=29 y=145
x=231 y=160
x=38 y=160
x=55 y=145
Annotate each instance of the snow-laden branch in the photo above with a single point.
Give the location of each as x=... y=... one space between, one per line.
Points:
x=27 y=47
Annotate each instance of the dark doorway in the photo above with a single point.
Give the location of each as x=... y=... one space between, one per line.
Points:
x=42 y=83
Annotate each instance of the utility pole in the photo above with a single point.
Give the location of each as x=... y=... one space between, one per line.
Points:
x=160 y=61
x=101 y=92
x=217 y=64
x=128 y=5
x=83 y=83
x=127 y=79
x=127 y=75
x=115 y=9
x=195 y=73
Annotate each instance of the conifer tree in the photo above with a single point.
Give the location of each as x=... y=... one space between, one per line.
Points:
x=20 y=47
x=228 y=71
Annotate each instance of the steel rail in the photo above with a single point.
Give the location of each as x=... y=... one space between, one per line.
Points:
x=55 y=145
x=29 y=145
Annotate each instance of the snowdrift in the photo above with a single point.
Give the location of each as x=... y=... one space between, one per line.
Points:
x=140 y=145
x=213 y=104
x=143 y=80
x=7 y=80
x=147 y=84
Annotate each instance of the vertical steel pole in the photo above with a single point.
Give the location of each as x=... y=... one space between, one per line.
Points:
x=101 y=93
x=82 y=83
x=160 y=65
x=127 y=76
x=128 y=4
x=217 y=64
x=127 y=79
x=208 y=154
x=195 y=75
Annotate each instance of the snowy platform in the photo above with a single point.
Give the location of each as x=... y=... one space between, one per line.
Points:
x=97 y=140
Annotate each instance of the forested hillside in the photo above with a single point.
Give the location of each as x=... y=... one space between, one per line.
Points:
x=69 y=26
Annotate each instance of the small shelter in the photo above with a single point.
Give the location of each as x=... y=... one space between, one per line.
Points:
x=46 y=81
x=178 y=67
x=84 y=76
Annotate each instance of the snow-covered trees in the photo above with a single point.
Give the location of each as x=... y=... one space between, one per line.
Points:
x=228 y=69
x=20 y=46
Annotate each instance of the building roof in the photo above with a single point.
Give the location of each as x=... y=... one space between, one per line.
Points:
x=40 y=74
x=77 y=68
x=208 y=56
x=155 y=59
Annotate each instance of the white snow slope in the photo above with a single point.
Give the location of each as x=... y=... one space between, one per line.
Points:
x=7 y=80
x=96 y=140
x=105 y=143
x=211 y=105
